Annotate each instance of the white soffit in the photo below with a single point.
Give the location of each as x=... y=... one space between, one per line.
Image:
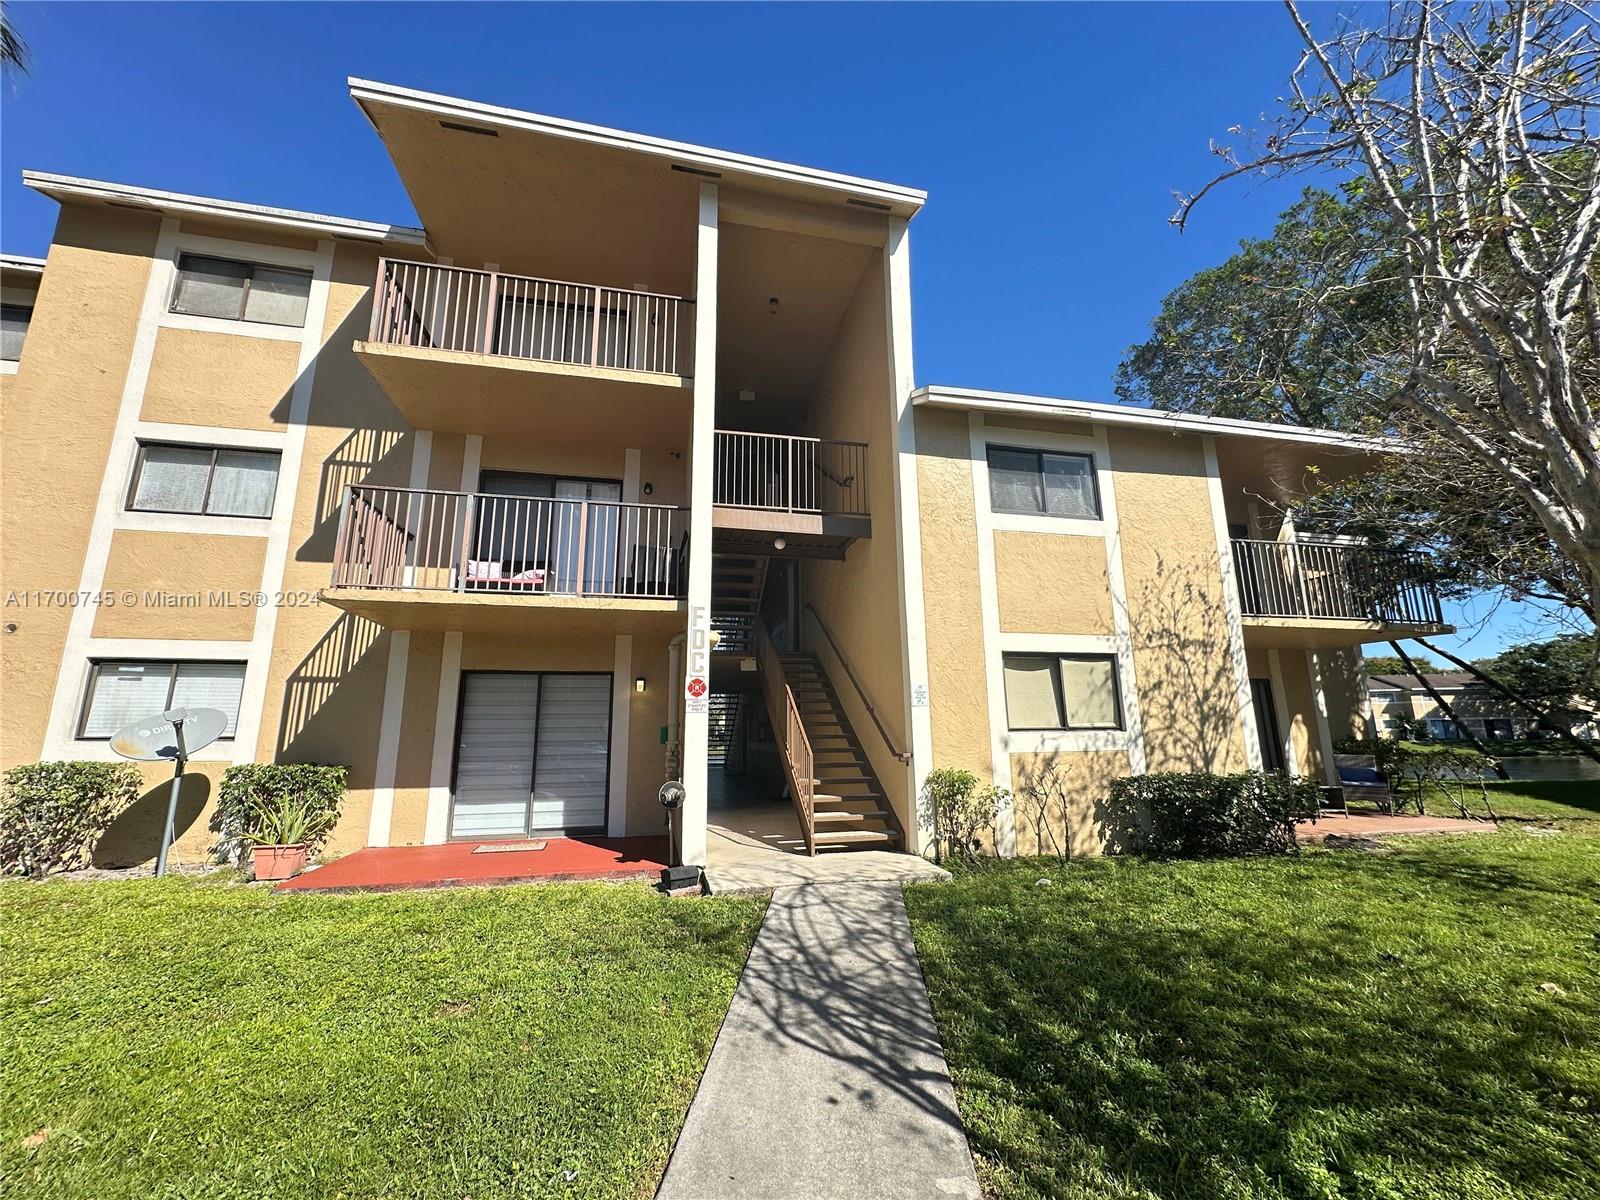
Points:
x=726 y=165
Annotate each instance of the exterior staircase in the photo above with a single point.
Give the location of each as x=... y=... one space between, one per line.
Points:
x=737 y=582
x=849 y=810
x=726 y=748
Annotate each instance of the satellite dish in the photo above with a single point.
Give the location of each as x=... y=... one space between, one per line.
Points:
x=155 y=739
x=171 y=736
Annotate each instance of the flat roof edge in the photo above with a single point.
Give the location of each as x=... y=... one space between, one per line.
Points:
x=22 y=262
x=1016 y=404
x=704 y=156
x=59 y=186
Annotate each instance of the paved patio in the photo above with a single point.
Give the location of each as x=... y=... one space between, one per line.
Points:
x=458 y=864
x=759 y=848
x=1379 y=825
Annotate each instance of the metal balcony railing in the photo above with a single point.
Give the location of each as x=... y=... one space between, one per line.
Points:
x=782 y=473
x=408 y=539
x=1334 y=581
x=518 y=316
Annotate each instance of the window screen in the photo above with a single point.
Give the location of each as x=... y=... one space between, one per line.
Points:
x=14 y=320
x=213 y=480
x=240 y=291
x=122 y=692
x=1042 y=482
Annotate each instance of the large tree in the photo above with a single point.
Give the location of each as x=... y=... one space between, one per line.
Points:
x=1471 y=129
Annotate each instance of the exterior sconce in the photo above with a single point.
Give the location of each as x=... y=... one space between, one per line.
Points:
x=638 y=684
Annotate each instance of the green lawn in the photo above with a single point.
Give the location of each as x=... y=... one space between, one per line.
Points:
x=205 y=1040
x=1532 y=800
x=1342 y=1024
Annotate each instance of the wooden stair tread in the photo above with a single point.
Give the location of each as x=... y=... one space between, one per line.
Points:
x=845 y=817
x=855 y=837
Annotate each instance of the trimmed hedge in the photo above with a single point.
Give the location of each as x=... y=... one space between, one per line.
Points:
x=1175 y=815
x=249 y=793
x=53 y=813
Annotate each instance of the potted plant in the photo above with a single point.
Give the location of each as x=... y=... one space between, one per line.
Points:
x=282 y=836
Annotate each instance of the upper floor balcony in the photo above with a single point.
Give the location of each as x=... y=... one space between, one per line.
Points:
x=417 y=559
x=809 y=493
x=1332 y=594
x=471 y=351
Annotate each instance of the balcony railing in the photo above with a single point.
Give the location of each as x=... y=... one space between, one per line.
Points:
x=406 y=539
x=1337 y=582
x=486 y=312
x=790 y=474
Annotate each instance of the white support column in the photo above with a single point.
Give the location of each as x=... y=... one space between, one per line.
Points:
x=697 y=652
x=1280 y=703
x=394 y=703
x=437 y=828
x=913 y=614
x=1330 y=772
x=1230 y=608
x=621 y=710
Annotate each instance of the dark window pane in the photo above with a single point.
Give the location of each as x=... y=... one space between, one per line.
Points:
x=1069 y=485
x=14 y=320
x=210 y=287
x=278 y=297
x=1014 y=481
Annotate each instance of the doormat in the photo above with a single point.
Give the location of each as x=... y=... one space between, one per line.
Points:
x=507 y=847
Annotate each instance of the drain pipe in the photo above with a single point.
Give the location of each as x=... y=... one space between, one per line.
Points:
x=674 y=701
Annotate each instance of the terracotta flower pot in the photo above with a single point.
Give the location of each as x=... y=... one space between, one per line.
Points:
x=279 y=862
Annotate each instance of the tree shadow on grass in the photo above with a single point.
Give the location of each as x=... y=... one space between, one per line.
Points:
x=1192 y=1054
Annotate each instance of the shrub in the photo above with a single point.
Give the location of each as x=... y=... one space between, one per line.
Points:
x=261 y=802
x=1208 y=816
x=956 y=810
x=52 y=814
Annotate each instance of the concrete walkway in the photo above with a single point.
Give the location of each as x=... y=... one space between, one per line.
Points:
x=827 y=1081
x=762 y=854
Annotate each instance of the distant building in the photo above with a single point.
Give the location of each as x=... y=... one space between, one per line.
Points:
x=1398 y=702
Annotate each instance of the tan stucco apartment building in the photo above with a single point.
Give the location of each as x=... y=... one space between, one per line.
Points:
x=615 y=472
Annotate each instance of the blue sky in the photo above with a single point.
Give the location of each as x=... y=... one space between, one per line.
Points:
x=1050 y=138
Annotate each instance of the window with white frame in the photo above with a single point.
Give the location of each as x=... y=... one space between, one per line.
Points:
x=241 y=291
x=1062 y=691
x=1042 y=482
x=214 y=481
x=1384 y=697
x=14 y=319
x=122 y=691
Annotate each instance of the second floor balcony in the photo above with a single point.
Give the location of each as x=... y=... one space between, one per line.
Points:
x=471 y=351
x=810 y=493
x=1326 y=593
x=419 y=559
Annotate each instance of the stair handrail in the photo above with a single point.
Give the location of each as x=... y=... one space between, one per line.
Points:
x=850 y=673
x=794 y=747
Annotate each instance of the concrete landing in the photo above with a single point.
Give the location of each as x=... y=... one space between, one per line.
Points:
x=828 y=1081
x=760 y=852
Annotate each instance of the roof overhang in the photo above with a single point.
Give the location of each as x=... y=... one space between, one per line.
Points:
x=21 y=264
x=756 y=174
x=67 y=188
x=1012 y=404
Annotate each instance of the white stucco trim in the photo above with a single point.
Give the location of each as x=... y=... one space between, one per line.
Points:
x=1121 y=623
x=913 y=613
x=1005 y=825
x=1280 y=704
x=621 y=709
x=1231 y=608
x=394 y=703
x=211 y=435
x=281 y=526
x=59 y=742
x=436 y=826
x=9 y=366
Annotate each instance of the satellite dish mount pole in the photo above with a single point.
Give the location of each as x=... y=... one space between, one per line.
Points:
x=172 y=799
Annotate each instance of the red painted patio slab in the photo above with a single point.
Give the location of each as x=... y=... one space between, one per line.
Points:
x=455 y=864
x=1378 y=825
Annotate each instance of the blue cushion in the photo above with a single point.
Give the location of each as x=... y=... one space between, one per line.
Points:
x=1360 y=775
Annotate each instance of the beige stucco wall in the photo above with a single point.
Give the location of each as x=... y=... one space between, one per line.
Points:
x=1051 y=583
x=1061 y=801
x=957 y=684
x=181 y=585
x=222 y=379
x=55 y=436
x=1188 y=698
x=860 y=598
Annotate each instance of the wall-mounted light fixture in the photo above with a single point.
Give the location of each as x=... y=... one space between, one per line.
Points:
x=779 y=543
x=638 y=684
x=772 y=305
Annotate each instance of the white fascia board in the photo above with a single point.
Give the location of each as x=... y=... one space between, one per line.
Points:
x=67 y=187
x=904 y=201
x=22 y=264
x=1013 y=404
